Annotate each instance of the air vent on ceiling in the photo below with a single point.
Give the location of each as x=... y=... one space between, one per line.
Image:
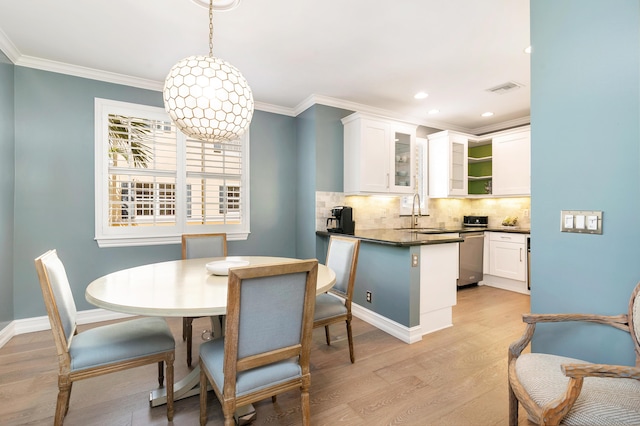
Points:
x=501 y=89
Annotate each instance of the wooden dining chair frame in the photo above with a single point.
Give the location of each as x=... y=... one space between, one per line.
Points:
x=66 y=376
x=346 y=296
x=233 y=364
x=187 y=322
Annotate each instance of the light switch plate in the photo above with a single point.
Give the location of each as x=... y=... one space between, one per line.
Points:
x=581 y=221
x=568 y=221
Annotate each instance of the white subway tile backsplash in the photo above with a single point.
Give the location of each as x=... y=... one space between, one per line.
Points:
x=375 y=212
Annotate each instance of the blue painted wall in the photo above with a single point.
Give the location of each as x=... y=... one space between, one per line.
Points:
x=6 y=189
x=320 y=168
x=388 y=276
x=54 y=185
x=305 y=183
x=585 y=146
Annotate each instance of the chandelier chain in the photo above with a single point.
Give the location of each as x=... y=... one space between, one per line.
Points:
x=211 y=28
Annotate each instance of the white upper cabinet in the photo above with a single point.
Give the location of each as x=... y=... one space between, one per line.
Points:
x=448 y=164
x=379 y=155
x=512 y=163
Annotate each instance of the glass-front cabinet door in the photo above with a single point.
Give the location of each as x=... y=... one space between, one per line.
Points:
x=458 y=165
x=403 y=169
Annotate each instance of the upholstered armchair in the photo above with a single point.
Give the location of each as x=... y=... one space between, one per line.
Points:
x=559 y=390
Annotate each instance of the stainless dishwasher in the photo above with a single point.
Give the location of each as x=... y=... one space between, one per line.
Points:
x=470 y=258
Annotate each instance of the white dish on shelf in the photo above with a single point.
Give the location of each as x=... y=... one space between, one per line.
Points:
x=221 y=267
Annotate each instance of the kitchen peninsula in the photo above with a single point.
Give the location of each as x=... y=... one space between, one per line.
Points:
x=411 y=279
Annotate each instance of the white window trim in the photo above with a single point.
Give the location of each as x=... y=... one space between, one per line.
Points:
x=107 y=236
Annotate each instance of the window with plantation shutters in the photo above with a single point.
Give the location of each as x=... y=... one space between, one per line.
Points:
x=153 y=184
x=214 y=181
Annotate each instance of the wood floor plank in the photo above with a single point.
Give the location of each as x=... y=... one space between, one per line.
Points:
x=456 y=376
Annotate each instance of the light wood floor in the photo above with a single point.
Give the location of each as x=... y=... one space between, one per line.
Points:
x=456 y=376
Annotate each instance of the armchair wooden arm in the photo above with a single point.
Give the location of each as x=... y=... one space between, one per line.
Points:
x=600 y=370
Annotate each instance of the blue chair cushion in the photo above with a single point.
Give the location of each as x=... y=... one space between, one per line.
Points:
x=328 y=306
x=119 y=342
x=212 y=356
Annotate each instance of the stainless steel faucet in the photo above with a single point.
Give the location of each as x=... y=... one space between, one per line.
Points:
x=414 y=218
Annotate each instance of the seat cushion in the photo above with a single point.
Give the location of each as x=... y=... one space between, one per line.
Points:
x=212 y=355
x=602 y=401
x=120 y=341
x=328 y=306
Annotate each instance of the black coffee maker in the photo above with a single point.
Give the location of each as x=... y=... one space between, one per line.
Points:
x=342 y=220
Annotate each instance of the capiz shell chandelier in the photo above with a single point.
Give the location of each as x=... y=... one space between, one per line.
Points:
x=208 y=98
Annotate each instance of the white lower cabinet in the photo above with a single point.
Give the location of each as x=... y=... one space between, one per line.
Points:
x=507 y=261
x=508 y=255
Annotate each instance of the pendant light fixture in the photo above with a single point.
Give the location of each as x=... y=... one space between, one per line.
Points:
x=208 y=98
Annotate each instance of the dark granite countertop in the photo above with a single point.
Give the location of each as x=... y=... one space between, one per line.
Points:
x=398 y=237
x=419 y=236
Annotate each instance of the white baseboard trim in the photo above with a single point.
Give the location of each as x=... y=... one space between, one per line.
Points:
x=399 y=331
x=505 y=284
x=6 y=334
x=437 y=320
x=30 y=325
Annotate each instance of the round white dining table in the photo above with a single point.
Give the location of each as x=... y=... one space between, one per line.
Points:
x=178 y=288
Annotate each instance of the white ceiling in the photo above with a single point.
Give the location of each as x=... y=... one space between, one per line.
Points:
x=349 y=53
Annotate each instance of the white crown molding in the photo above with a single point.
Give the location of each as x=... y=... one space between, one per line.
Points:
x=90 y=73
x=262 y=106
x=523 y=121
x=14 y=55
x=356 y=107
x=8 y=48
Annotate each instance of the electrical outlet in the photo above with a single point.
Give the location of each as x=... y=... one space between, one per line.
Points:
x=369 y=296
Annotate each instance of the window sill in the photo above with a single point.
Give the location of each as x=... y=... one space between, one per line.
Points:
x=105 y=242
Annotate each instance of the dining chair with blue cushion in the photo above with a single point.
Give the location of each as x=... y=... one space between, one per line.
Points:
x=267 y=342
x=100 y=350
x=199 y=246
x=335 y=305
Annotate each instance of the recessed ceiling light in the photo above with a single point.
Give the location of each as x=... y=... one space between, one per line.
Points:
x=527 y=49
x=421 y=95
x=487 y=114
x=434 y=111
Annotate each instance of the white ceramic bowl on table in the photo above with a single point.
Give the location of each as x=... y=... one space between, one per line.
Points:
x=221 y=267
